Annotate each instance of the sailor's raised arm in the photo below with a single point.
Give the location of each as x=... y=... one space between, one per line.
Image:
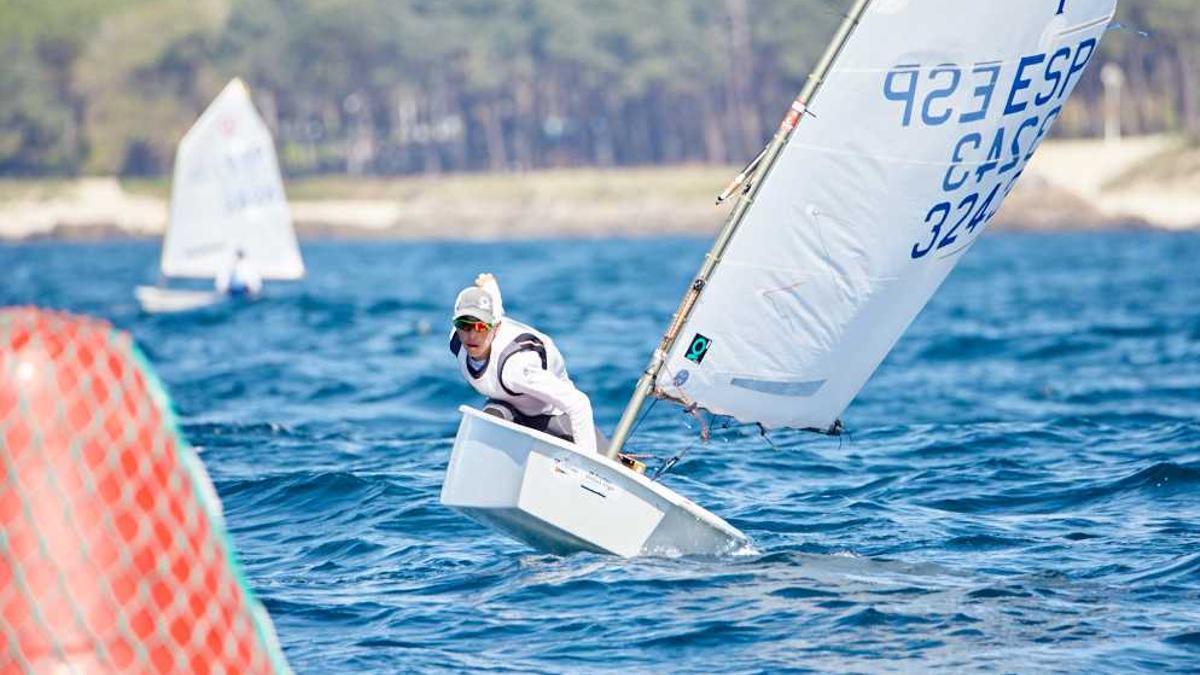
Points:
x=487 y=281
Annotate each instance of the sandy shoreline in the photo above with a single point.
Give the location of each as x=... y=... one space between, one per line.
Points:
x=1069 y=185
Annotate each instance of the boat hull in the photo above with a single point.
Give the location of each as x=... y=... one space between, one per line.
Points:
x=547 y=493
x=157 y=300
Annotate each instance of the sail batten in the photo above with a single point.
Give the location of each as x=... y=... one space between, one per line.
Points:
x=927 y=116
x=227 y=195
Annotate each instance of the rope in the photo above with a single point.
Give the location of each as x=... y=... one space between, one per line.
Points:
x=643 y=417
x=705 y=435
x=670 y=463
x=762 y=431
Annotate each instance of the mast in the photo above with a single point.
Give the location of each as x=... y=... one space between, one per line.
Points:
x=763 y=166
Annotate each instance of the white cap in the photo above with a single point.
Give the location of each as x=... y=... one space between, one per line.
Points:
x=476 y=303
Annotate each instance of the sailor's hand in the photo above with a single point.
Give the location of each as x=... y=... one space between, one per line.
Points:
x=484 y=278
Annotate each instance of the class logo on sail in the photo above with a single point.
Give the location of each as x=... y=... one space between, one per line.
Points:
x=698 y=348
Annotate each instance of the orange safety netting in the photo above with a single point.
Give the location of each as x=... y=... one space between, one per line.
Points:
x=113 y=554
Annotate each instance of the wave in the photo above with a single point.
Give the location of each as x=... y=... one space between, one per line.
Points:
x=1184 y=567
x=1160 y=480
x=1189 y=639
x=966 y=347
x=871 y=617
x=1021 y=486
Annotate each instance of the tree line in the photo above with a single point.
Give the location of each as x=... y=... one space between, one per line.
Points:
x=424 y=86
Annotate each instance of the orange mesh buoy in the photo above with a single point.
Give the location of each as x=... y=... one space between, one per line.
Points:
x=113 y=553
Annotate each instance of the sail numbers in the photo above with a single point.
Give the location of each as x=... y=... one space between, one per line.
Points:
x=1003 y=124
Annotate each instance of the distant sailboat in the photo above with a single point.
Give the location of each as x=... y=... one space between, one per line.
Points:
x=227 y=196
x=911 y=131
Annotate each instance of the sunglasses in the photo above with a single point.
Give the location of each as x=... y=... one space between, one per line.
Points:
x=472 y=325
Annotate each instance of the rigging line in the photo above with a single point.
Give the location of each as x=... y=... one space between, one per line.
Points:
x=832 y=11
x=1117 y=25
x=705 y=435
x=762 y=431
x=643 y=417
x=678 y=457
x=670 y=463
x=705 y=427
x=835 y=429
x=712 y=418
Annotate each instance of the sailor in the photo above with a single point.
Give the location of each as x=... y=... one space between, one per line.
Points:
x=239 y=277
x=517 y=368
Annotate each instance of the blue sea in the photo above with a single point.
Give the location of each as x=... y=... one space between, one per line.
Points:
x=1018 y=490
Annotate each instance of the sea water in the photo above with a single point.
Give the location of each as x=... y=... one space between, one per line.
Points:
x=1018 y=488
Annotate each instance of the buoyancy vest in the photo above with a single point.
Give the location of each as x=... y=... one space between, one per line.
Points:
x=512 y=337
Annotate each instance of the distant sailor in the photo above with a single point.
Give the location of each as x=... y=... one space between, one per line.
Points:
x=519 y=369
x=239 y=278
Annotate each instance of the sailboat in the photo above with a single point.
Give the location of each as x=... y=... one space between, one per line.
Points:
x=914 y=126
x=227 y=196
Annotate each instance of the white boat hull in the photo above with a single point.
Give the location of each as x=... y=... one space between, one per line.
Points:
x=547 y=493
x=158 y=300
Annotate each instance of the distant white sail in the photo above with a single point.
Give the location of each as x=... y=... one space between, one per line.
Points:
x=227 y=194
x=929 y=115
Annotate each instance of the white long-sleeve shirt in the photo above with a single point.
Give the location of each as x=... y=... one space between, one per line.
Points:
x=524 y=374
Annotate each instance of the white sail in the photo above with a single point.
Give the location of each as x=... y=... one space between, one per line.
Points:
x=928 y=116
x=227 y=194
